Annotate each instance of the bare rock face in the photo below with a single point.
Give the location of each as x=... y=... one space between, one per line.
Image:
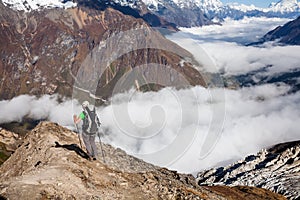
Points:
x=50 y=51
x=287 y=34
x=8 y=144
x=50 y=165
x=276 y=169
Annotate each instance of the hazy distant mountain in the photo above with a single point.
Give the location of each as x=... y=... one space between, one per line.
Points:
x=286 y=34
x=282 y=9
x=215 y=10
x=183 y=13
x=285 y=6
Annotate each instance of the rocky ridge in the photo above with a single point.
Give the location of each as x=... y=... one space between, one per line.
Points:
x=276 y=169
x=50 y=165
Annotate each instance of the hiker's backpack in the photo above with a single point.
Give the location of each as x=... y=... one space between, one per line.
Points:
x=91 y=121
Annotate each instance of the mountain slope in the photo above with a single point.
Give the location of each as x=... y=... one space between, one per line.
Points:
x=286 y=34
x=276 y=169
x=50 y=165
x=48 y=51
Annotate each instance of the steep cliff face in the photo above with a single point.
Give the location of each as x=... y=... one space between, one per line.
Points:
x=44 y=52
x=50 y=165
x=276 y=169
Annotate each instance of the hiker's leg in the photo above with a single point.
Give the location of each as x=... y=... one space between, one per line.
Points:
x=87 y=144
x=93 y=145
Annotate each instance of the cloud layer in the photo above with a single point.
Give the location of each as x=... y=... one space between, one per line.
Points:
x=171 y=127
x=46 y=107
x=211 y=47
x=243 y=31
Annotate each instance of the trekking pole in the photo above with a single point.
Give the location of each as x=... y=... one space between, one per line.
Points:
x=79 y=136
x=101 y=147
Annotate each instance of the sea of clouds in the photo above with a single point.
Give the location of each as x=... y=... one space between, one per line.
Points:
x=224 y=47
x=171 y=127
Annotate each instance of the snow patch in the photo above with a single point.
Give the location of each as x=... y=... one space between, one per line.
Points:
x=30 y=5
x=284 y=6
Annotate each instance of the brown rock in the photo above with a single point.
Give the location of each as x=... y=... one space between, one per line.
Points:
x=50 y=165
x=8 y=144
x=51 y=51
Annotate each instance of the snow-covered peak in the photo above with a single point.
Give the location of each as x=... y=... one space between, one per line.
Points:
x=184 y=3
x=285 y=6
x=205 y=5
x=152 y=4
x=29 y=5
x=243 y=7
x=130 y=3
x=209 y=3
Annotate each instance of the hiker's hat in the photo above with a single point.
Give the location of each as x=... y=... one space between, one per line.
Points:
x=85 y=104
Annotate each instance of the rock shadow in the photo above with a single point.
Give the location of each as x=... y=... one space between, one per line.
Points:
x=73 y=147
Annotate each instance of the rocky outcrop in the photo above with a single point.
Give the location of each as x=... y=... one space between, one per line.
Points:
x=44 y=52
x=9 y=142
x=50 y=165
x=276 y=169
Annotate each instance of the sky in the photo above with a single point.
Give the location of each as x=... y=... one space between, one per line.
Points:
x=258 y=3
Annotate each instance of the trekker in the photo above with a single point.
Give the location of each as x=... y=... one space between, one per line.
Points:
x=89 y=128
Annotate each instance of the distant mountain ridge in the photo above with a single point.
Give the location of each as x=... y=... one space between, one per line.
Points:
x=30 y=5
x=183 y=13
x=217 y=11
x=286 y=34
x=135 y=8
x=285 y=6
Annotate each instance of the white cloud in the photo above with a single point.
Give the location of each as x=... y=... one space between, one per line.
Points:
x=211 y=47
x=251 y=124
x=45 y=107
x=243 y=31
x=179 y=121
x=256 y=117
